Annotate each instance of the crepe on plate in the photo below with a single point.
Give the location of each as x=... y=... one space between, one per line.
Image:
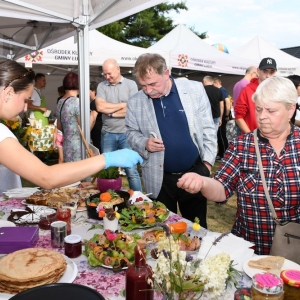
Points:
x=31 y=267
x=271 y=264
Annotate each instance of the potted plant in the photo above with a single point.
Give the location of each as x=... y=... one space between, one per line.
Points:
x=109 y=179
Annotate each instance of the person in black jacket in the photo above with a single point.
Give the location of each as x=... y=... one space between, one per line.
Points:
x=97 y=126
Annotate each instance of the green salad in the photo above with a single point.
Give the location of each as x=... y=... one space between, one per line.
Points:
x=143 y=215
x=110 y=249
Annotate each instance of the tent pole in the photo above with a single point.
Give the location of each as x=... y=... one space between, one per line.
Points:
x=84 y=83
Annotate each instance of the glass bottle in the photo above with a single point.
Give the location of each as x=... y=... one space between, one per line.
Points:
x=267 y=286
x=291 y=279
x=46 y=219
x=64 y=214
x=138 y=276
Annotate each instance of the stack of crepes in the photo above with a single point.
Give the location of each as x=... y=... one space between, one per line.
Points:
x=28 y=268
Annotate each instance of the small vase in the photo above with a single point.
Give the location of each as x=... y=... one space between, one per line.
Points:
x=109 y=184
x=110 y=224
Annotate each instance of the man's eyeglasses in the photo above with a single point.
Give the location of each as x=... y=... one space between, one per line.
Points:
x=20 y=77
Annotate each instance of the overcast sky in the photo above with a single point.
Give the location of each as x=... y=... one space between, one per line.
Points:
x=235 y=22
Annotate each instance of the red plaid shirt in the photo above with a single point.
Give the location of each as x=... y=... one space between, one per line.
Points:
x=239 y=172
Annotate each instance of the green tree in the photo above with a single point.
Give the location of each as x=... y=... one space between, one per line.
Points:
x=146 y=27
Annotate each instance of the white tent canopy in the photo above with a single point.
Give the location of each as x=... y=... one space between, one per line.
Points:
x=257 y=49
x=101 y=48
x=188 y=51
x=29 y=25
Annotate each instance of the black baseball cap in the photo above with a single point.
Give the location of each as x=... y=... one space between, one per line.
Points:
x=268 y=63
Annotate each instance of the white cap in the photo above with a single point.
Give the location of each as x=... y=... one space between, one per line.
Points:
x=73 y=239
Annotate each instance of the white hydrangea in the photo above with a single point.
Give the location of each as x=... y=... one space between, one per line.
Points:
x=212 y=272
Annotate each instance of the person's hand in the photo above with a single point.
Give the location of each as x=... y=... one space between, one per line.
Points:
x=155 y=145
x=191 y=182
x=44 y=109
x=125 y=158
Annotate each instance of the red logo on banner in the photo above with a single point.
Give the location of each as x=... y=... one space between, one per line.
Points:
x=183 y=60
x=35 y=56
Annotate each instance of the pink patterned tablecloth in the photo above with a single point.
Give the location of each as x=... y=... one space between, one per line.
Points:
x=109 y=284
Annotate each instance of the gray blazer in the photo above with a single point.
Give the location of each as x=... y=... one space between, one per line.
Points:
x=141 y=120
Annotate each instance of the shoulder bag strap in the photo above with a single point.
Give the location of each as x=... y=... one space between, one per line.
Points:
x=62 y=107
x=263 y=179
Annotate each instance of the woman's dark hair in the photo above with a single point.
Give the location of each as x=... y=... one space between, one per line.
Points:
x=295 y=79
x=93 y=86
x=70 y=81
x=15 y=75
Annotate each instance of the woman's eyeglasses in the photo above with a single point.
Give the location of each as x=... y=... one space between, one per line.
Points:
x=20 y=77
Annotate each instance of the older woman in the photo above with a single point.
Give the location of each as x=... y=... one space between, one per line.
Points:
x=16 y=85
x=279 y=144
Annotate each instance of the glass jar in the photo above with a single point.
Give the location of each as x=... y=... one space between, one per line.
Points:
x=267 y=286
x=73 y=245
x=291 y=279
x=46 y=219
x=64 y=214
x=137 y=286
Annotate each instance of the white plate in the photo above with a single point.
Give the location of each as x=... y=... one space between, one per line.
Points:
x=109 y=267
x=138 y=194
x=68 y=277
x=81 y=208
x=20 y=193
x=75 y=184
x=288 y=264
x=4 y=223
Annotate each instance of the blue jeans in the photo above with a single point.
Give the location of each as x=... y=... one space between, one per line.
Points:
x=115 y=141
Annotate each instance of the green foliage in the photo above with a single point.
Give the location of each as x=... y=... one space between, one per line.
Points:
x=109 y=173
x=146 y=27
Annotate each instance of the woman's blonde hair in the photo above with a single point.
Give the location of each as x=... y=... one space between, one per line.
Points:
x=276 y=89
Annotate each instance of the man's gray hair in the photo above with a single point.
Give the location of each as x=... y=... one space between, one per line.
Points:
x=276 y=89
x=251 y=69
x=148 y=64
x=208 y=79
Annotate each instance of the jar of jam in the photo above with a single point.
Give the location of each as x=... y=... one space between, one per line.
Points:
x=291 y=279
x=64 y=214
x=267 y=286
x=46 y=219
x=73 y=246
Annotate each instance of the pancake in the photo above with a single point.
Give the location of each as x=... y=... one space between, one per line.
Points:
x=267 y=263
x=30 y=267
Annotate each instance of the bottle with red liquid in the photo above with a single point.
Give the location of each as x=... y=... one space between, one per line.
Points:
x=138 y=276
x=64 y=214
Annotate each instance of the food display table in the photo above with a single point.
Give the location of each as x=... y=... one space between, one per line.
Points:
x=109 y=284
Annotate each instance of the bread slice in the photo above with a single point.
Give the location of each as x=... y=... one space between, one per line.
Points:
x=267 y=263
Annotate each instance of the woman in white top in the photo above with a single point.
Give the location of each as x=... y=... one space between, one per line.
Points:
x=16 y=85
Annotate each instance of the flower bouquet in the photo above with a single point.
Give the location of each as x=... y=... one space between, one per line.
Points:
x=178 y=277
x=16 y=128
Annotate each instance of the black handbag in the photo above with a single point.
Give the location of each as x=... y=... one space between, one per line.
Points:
x=286 y=240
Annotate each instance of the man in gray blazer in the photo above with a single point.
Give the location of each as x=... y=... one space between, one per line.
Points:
x=169 y=123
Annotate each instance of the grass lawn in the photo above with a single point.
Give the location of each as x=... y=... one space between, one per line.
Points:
x=220 y=218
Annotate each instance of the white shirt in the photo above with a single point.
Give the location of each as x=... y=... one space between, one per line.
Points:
x=297 y=117
x=5 y=133
x=36 y=97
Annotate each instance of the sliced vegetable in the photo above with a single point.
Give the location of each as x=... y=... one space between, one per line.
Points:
x=105 y=197
x=178 y=227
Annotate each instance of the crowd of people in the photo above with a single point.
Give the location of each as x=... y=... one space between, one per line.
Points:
x=175 y=129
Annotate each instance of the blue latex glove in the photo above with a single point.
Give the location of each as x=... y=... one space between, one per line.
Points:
x=125 y=158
